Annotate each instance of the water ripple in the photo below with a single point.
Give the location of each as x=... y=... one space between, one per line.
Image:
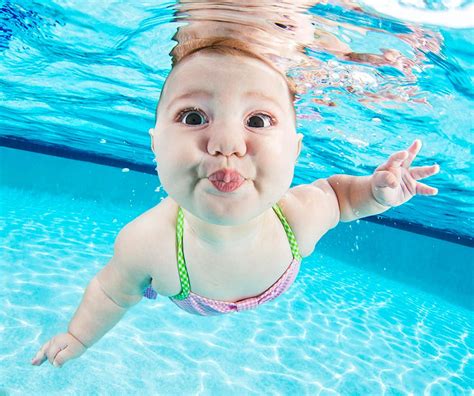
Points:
x=338 y=330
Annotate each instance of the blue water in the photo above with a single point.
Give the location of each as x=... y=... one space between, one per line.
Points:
x=339 y=330
x=87 y=76
x=365 y=316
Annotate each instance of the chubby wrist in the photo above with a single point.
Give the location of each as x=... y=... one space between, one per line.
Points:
x=373 y=190
x=77 y=339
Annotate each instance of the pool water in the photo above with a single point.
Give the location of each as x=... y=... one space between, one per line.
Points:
x=340 y=329
x=384 y=306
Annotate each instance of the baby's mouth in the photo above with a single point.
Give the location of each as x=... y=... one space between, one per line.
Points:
x=227 y=187
x=226 y=175
x=226 y=180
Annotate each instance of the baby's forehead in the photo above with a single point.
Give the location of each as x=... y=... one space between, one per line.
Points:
x=211 y=63
x=211 y=69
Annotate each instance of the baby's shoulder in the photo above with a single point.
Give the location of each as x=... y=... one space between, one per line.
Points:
x=151 y=238
x=152 y=221
x=309 y=212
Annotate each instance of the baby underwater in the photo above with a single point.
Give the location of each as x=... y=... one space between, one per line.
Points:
x=231 y=233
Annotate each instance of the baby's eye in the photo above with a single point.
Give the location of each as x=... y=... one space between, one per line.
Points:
x=192 y=117
x=260 y=121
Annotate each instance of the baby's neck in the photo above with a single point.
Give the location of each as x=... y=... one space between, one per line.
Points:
x=225 y=237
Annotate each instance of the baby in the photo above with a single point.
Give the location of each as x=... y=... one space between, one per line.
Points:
x=231 y=234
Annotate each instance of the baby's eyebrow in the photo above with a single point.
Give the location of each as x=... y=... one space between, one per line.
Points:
x=195 y=92
x=262 y=96
x=209 y=94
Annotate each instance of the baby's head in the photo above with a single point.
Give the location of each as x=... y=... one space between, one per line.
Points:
x=222 y=106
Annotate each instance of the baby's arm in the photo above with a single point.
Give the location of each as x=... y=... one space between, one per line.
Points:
x=354 y=196
x=325 y=202
x=117 y=287
x=392 y=184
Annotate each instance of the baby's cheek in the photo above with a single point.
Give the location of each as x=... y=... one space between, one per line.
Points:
x=278 y=169
x=188 y=158
x=174 y=151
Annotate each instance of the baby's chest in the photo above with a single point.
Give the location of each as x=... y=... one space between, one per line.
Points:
x=228 y=276
x=238 y=274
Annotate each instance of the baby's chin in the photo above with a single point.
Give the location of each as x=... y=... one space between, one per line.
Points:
x=227 y=208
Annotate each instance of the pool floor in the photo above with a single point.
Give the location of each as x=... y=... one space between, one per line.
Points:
x=339 y=329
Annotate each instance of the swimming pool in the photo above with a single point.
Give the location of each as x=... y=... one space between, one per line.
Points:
x=347 y=326
x=381 y=307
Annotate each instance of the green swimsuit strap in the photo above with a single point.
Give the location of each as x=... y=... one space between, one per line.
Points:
x=289 y=233
x=183 y=271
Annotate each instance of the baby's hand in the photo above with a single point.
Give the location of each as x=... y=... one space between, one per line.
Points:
x=58 y=350
x=394 y=182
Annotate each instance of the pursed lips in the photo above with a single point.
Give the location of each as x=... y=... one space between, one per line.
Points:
x=226 y=180
x=226 y=175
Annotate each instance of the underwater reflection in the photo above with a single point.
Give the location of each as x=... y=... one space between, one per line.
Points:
x=318 y=49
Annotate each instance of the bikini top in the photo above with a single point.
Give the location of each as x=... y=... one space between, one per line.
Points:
x=196 y=304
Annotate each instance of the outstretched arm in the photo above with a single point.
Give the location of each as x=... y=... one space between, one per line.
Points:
x=392 y=184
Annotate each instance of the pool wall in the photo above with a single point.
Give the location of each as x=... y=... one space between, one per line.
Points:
x=434 y=265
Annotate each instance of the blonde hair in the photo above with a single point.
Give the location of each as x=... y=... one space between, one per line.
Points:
x=225 y=46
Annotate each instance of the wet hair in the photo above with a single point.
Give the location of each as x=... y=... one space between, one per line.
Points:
x=225 y=46
x=222 y=46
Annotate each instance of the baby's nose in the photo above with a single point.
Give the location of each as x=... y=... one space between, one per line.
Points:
x=227 y=141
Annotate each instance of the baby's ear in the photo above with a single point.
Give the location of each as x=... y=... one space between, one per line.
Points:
x=151 y=131
x=300 y=139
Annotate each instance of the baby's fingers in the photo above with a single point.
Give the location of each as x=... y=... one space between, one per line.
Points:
x=420 y=172
x=413 y=151
x=59 y=350
x=40 y=356
x=64 y=355
x=395 y=160
x=54 y=348
x=385 y=179
x=49 y=351
x=424 y=189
